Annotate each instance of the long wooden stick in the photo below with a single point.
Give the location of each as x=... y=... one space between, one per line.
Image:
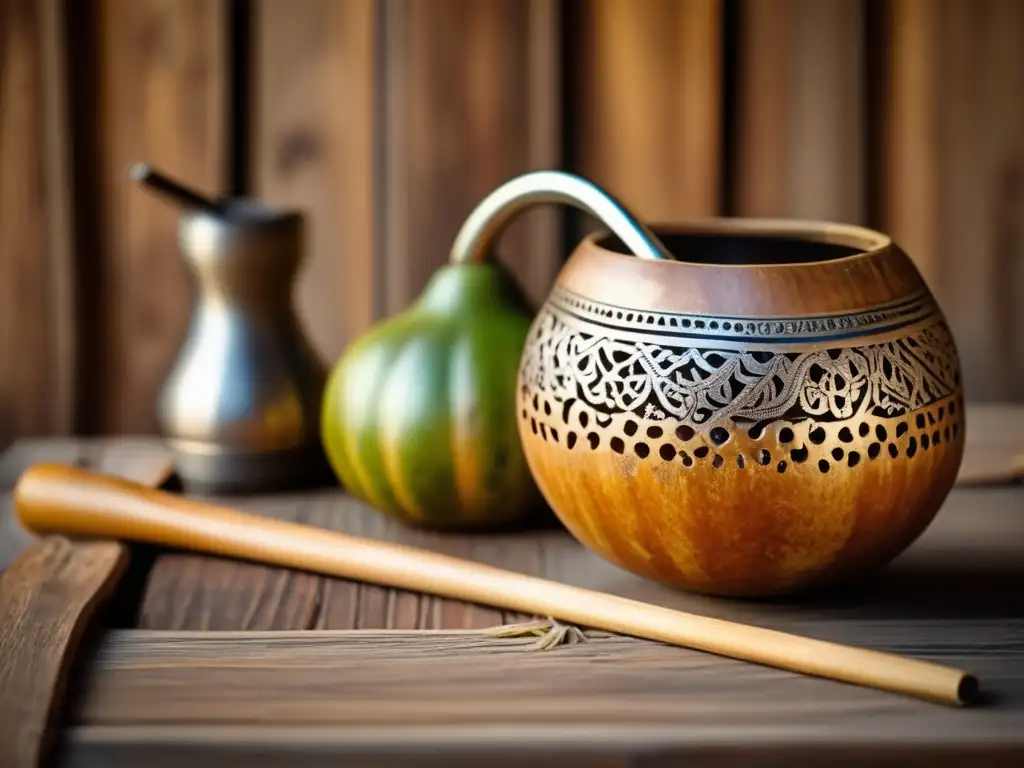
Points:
x=52 y=498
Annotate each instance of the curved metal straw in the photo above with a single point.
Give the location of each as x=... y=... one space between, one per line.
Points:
x=496 y=211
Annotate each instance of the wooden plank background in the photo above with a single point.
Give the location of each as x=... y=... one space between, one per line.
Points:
x=36 y=289
x=387 y=120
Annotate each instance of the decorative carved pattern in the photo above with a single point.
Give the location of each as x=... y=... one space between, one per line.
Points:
x=705 y=387
x=773 y=330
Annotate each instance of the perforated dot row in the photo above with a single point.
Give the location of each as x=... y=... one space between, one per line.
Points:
x=932 y=432
x=719 y=435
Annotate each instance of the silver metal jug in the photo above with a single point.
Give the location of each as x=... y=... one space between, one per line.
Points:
x=240 y=408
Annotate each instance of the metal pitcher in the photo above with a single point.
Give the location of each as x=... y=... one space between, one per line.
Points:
x=240 y=407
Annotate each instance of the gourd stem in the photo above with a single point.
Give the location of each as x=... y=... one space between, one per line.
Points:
x=496 y=211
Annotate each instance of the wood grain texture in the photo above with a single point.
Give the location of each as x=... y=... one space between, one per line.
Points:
x=193 y=592
x=315 y=127
x=800 y=123
x=47 y=598
x=57 y=157
x=908 y=119
x=356 y=605
x=410 y=677
x=143 y=460
x=470 y=689
x=161 y=98
x=647 y=102
x=469 y=101
x=953 y=171
x=200 y=593
x=36 y=269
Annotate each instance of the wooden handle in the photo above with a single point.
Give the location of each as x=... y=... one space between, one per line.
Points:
x=53 y=498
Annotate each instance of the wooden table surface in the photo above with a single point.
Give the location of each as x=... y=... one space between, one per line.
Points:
x=212 y=660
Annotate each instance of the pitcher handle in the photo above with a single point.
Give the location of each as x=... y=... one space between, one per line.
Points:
x=495 y=212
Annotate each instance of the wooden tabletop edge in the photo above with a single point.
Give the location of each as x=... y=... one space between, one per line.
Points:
x=529 y=736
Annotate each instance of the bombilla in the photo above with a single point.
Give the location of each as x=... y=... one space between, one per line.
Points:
x=173 y=189
x=490 y=217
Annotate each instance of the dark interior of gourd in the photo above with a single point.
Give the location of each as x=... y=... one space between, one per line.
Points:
x=729 y=249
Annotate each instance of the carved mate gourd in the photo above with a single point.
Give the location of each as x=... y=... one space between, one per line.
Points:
x=734 y=406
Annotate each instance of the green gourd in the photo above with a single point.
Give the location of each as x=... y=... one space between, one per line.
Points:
x=418 y=415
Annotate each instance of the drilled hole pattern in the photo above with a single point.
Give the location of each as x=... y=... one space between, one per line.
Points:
x=781 y=447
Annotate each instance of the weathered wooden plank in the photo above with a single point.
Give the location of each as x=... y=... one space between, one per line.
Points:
x=160 y=97
x=469 y=102
x=355 y=605
x=358 y=680
x=647 y=116
x=800 y=123
x=907 y=191
x=36 y=268
x=321 y=70
x=63 y=259
x=202 y=593
x=47 y=598
x=952 y=179
x=314 y=128
x=194 y=592
x=141 y=650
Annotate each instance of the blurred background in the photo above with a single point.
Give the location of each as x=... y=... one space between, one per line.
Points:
x=388 y=120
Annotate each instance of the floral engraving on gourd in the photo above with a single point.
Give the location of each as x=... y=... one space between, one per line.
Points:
x=704 y=387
